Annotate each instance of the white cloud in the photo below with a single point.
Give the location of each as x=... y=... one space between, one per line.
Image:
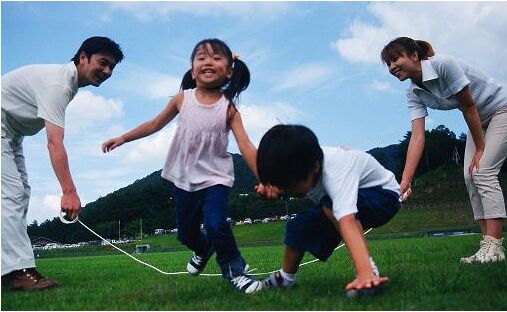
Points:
x=477 y=33
x=87 y=109
x=148 y=11
x=258 y=119
x=152 y=149
x=42 y=208
x=304 y=77
x=151 y=84
x=381 y=86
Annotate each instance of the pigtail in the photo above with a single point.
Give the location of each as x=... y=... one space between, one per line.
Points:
x=187 y=82
x=239 y=81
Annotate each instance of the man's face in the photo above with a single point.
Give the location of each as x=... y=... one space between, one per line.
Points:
x=96 y=69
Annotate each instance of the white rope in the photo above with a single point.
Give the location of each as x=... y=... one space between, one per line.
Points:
x=65 y=221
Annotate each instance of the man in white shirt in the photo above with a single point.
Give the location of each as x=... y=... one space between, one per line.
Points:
x=36 y=97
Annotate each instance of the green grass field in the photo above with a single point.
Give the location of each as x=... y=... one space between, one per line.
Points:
x=424 y=272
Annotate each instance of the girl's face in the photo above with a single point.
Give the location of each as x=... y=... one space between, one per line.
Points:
x=210 y=68
x=403 y=66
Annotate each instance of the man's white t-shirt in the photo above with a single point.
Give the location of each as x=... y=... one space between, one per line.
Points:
x=344 y=172
x=34 y=94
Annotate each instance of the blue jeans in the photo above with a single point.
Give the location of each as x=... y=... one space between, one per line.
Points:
x=208 y=206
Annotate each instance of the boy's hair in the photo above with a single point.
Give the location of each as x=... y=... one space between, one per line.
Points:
x=287 y=155
x=240 y=77
x=94 y=45
x=408 y=45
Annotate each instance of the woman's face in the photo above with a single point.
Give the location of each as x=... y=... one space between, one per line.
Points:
x=405 y=66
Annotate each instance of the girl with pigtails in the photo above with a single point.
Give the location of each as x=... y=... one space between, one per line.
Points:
x=198 y=162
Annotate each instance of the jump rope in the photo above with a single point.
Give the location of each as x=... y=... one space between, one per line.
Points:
x=249 y=272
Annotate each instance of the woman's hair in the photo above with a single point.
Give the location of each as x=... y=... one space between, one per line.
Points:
x=287 y=155
x=406 y=45
x=240 y=76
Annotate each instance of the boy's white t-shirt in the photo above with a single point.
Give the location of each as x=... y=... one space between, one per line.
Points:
x=35 y=93
x=344 y=172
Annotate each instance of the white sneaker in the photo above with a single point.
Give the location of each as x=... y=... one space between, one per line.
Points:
x=491 y=250
x=374 y=267
x=246 y=284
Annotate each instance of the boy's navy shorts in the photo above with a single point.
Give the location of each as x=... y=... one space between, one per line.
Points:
x=312 y=231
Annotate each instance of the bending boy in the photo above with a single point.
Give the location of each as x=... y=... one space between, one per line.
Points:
x=352 y=191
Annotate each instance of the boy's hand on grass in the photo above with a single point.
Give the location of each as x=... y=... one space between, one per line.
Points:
x=366 y=281
x=267 y=191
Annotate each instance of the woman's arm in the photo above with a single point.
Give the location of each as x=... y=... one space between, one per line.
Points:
x=148 y=127
x=467 y=106
x=414 y=152
x=246 y=148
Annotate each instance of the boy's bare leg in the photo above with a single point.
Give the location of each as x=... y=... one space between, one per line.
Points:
x=291 y=260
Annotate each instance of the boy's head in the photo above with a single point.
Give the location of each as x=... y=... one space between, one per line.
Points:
x=290 y=158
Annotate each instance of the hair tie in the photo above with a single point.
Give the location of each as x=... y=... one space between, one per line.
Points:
x=235 y=57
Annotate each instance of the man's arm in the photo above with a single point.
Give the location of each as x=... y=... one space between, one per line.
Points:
x=70 y=202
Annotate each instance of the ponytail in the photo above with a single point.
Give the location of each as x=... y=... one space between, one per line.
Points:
x=409 y=46
x=425 y=49
x=187 y=82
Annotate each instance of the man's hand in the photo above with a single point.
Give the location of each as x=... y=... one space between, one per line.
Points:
x=71 y=204
x=267 y=191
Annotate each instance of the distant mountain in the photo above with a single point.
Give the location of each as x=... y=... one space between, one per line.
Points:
x=389 y=157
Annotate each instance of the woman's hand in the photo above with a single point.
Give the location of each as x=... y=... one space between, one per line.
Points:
x=405 y=190
x=475 y=161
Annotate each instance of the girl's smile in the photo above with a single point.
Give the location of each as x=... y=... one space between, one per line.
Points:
x=209 y=68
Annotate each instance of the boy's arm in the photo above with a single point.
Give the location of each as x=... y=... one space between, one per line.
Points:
x=352 y=234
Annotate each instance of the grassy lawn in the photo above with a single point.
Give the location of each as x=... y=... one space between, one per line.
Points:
x=425 y=275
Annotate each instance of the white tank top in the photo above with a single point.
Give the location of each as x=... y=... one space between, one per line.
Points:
x=198 y=156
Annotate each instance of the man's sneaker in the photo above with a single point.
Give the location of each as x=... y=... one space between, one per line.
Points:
x=28 y=279
x=246 y=284
x=196 y=264
x=491 y=250
x=276 y=279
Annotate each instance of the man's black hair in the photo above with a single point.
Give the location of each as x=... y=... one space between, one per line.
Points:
x=94 y=45
x=287 y=155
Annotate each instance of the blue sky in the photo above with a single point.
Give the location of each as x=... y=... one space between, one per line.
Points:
x=313 y=63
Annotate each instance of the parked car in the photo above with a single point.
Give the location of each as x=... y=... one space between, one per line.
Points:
x=248 y=221
x=159 y=231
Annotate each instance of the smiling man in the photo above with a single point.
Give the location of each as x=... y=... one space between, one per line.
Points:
x=36 y=97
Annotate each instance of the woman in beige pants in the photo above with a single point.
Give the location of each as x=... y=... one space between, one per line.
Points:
x=444 y=83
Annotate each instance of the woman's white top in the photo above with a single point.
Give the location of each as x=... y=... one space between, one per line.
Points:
x=198 y=156
x=444 y=76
